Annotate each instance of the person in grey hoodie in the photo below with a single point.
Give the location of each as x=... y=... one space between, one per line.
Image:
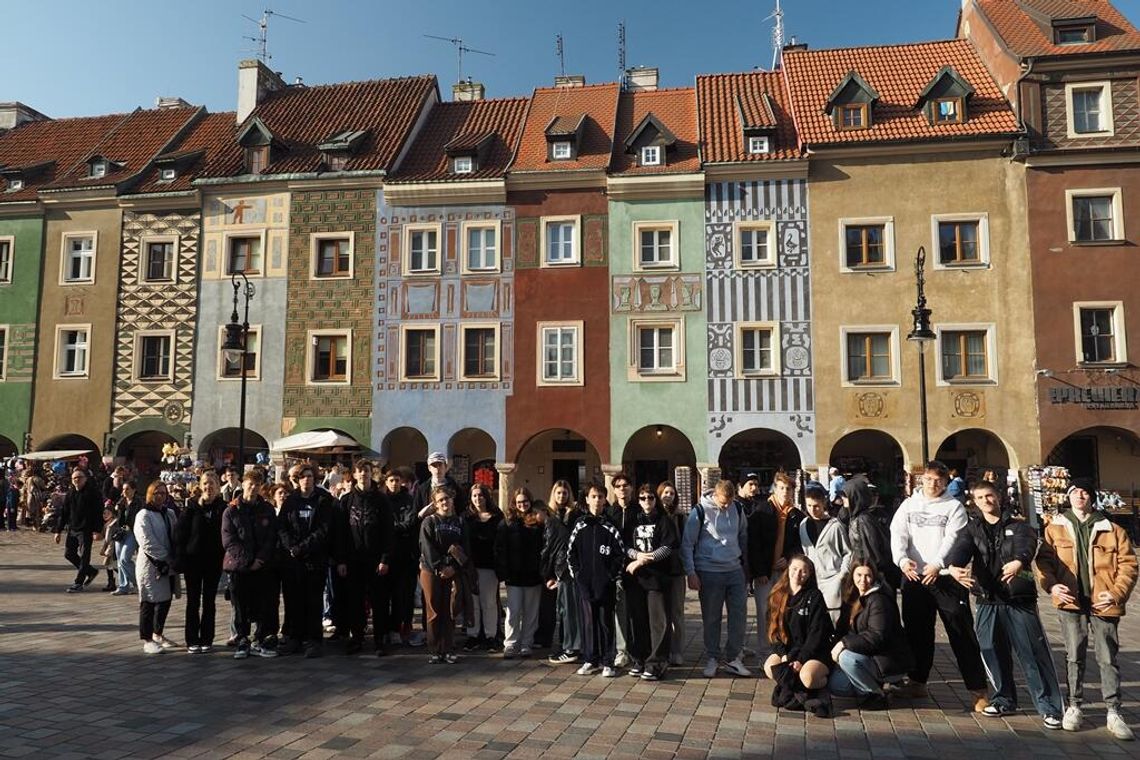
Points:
x=714 y=557
x=923 y=533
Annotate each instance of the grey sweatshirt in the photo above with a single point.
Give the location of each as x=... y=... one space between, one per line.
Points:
x=718 y=545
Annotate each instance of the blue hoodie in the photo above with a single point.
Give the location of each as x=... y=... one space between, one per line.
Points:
x=717 y=545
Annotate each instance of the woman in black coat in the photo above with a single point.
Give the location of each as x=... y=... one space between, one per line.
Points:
x=799 y=628
x=518 y=561
x=198 y=549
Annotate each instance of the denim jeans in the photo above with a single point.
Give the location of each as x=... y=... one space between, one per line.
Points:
x=125 y=553
x=855 y=675
x=1106 y=640
x=1004 y=629
x=719 y=590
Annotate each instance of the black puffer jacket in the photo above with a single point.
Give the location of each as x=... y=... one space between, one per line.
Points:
x=807 y=628
x=249 y=532
x=877 y=632
x=305 y=528
x=518 y=552
x=990 y=547
x=365 y=532
x=481 y=535
x=869 y=531
x=198 y=537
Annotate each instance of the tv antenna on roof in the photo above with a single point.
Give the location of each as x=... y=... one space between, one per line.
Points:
x=262 y=38
x=460 y=49
x=777 y=34
x=621 y=52
x=560 y=51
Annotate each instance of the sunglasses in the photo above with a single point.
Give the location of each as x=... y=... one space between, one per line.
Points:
x=646 y=497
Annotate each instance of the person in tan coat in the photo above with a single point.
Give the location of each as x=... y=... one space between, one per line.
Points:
x=1088 y=565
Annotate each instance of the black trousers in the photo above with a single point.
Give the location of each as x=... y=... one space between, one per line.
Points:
x=201 y=594
x=950 y=601
x=598 y=646
x=304 y=591
x=77 y=551
x=272 y=591
x=404 y=575
x=251 y=602
x=547 y=615
x=362 y=583
x=648 y=613
x=152 y=618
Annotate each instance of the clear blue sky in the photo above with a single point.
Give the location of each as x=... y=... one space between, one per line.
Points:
x=75 y=57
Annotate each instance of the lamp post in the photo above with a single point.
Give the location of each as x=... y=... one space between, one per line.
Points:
x=921 y=334
x=236 y=348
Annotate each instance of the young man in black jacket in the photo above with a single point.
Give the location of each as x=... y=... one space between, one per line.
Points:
x=303 y=530
x=618 y=512
x=82 y=518
x=363 y=548
x=596 y=555
x=1001 y=549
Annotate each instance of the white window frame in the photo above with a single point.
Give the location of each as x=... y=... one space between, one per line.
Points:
x=674 y=374
x=227 y=237
x=5 y=350
x=315 y=240
x=136 y=371
x=896 y=356
x=576 y=249
x=167 y=175
x=888 y=224
x=651 y=155
x=65 y=257
x=758 y=145
x=1105 y=88
x=461 y=349
x=404 y=330
x=144 y=258
x=983 y=221
x=15 y=185
x=1071 y=195
x=311 y=337
x=990 y=329
x=221 y=369
x=540 y=369
x=777 y=349
x=57 y=370
x=463 y=165
x=561 y=151
x=406 y=259
x=464 y=228
x=97 y=170
x=671 y=226
x=1118 y=326
x=6 y=268
x=739 y=228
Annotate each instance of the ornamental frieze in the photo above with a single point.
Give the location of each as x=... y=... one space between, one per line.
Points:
x=657 y=293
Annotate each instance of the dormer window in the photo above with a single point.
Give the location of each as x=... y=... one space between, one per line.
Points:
x=564 y=137
x=757 y=145
x=167 y=175
x=336 y=162
x=463 y=165
x=97 y=169
x=945 y=98
x=256 y=159
x=15 y=185
x=853 y=116
x=851 y=103
x=561 y=151
x=1078 y=33
x=947 y=110
x=651 y=155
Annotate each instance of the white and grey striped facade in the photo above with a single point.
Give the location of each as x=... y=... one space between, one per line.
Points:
x=781 y=294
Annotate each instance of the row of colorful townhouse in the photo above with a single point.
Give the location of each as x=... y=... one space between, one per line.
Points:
x=601 y=277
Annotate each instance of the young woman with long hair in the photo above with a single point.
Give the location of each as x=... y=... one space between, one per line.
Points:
x=483 y=518
x=198 y=551
x=798 y=626
x=518 y=562
x=564 y=514
x=154 y=532
x=650 y=541
x=667 y=498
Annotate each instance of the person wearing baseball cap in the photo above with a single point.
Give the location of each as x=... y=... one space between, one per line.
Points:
x=438 y=466
x=1088 y=565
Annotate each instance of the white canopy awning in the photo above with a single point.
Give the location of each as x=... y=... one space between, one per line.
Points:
x=315 y=440
x=51 y=456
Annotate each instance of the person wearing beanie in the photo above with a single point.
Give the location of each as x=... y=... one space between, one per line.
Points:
x=1087 y=564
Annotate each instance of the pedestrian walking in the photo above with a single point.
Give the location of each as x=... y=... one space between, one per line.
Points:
x=81 y=516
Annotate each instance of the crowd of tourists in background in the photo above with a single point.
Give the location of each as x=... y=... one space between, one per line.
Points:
x=600 y=578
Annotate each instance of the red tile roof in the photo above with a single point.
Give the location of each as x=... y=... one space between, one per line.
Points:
x=898 y=73
x=59 y=141
x=1027 y=36
x=677 y=112
x=719 y=98
x=211 y=135
x=458 y=125
x=302 y=117
x=599 y=104
x=130 y=146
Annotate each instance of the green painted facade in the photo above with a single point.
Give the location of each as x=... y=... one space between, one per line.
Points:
x=19 y=312
x=651 y=296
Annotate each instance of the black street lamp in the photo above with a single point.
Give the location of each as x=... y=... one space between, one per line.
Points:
x=921 y=334
x=236 y=348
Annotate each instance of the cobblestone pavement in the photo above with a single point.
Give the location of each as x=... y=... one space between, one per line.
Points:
x=74 y=684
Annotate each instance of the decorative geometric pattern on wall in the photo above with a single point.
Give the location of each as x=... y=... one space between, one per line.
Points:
x=21 y=353
x=657 y=293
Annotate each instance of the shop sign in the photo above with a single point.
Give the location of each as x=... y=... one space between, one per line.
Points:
x=1100 y=397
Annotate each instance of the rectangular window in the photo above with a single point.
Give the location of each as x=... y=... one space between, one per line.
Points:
x=965 y=355
x=463 y=165
x=98 y=169
x=869 y=357
x=655 y=350
x=560 y=241
x=651 y=155
x=480 y=353
x=560 y=151
x=758 y=349
x=420 y=354
x=755 y=244
x=853 y=116
x=423 y=250
x=560 y=351
x=482 y=253
x=757 y=145
x=655 y=246
x=159 y=261
x=1089 y=109
x=1098 y=335
x=153 y=357
x=232 y=369
x=244 y=255
x=329 y=361
x=866 y=246
x=948 y=111
x=334 y=257
x=79 y=258
x=1092 y=218
x=72 y=345
x=257 y=158
x=958 y=243
x=5 y=261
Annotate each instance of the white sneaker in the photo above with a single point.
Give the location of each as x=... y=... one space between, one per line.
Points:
x=622 y=660
x=736 y=668
x=1072 y=719
x=1118 y=728
x=711 y=666
x=327 y=624
x=152 y=647
x=588 y=669
x=164 y=642
x=608 y=672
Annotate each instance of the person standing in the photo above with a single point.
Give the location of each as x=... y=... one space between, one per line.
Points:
x=125 y=545
x=518 y=559
x=1087 y=564
x=556 y=573
x=748 y=492
x=82 y=518
x=365 y=553
x=773 y=539
x=667 y=497
x=835 y=484
x=405 y=559
x=824 y=541
x=595 y=557
x=444 y=551
x=483 y=519
x=198 y=549
x=440 y=470
x=713 y=554
x=154 y=573
x=923 y=533
x=249 y=539
x=869 y=530
x=618 y=511
x=650 y=540
x=303 y=529
x=999 y=550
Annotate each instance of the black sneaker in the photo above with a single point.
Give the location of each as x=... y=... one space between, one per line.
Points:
x=435 y=659
x=873 y=702
x=472 y=644
x=242 y=650
x=74 y=588
x=92 y=574
x=564 y=658
x=312 y=650
x=450 y=658
x=635 y=670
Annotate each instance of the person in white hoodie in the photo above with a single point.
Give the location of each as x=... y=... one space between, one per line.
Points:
x=923 y=533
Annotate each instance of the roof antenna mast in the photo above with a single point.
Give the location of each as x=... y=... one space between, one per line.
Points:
x=460 y=49
x=262 y=38
x=777 y=35
x=560 y=51
x=621 y=53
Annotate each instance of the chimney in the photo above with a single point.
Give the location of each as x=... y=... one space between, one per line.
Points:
x=641 y=78
x=793 y=45
x=467 y=91
x=13 y=115
x=255 y=81
x=164 y=103
x=569 y=80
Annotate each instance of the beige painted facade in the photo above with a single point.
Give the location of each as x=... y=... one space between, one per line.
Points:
x=909 y=195
x=75 y=400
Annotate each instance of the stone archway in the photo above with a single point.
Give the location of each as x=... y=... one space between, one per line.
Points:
x=867 y=452
x=220 y=448
x=8 y=448
x=472 y=452
x=761 y=450
x=1110 y=455
x=405 y=447
x=973 y=453
x=143 y=451
x=71 y=442
x=653 y=453
x=556 y=454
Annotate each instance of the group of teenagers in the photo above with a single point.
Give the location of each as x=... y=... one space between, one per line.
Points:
x=609 y=576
